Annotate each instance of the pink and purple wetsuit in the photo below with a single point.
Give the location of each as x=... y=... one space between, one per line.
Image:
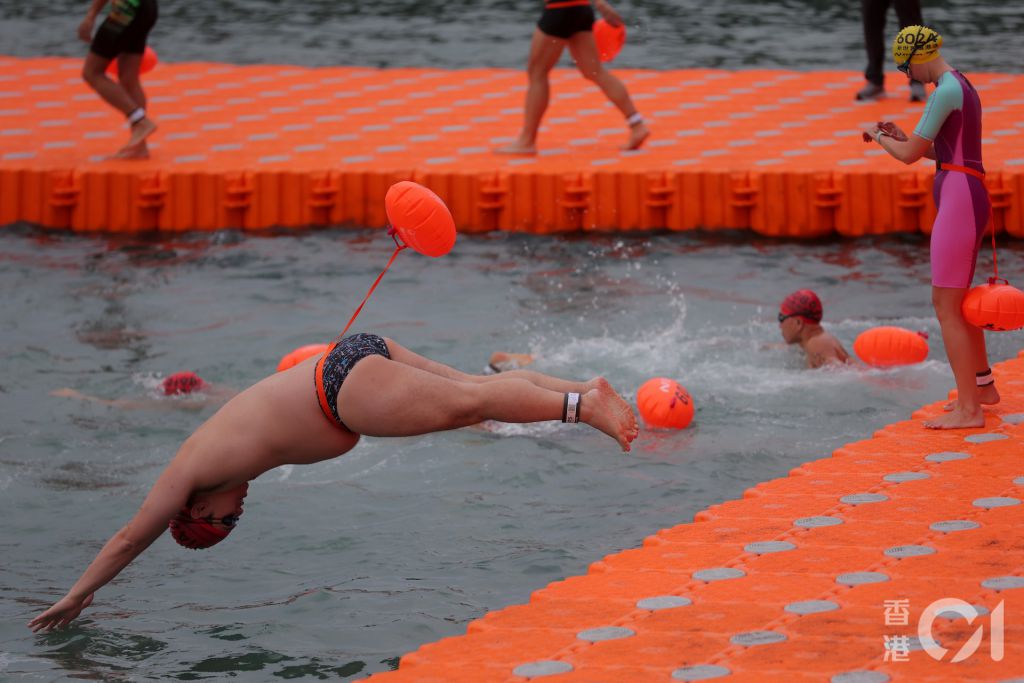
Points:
x=952 y=120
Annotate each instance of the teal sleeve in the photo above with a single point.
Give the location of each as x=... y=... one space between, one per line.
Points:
x=947 y=98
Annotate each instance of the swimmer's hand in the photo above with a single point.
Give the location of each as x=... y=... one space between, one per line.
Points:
x=67 y=392
x=609 y=14
x=61 y=614
x=871 y=133
x=85 y=28
x=892 y=130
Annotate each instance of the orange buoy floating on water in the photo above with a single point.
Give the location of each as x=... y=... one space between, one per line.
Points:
x=296 y=356
x=609 y=39
x=664 y=404
x=420 y=218
x=993 y=306
x=149 y=61
x=886 y=347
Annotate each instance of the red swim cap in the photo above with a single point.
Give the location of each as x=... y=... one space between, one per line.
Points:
x=196 y=533
x=802 y=303
x=182 y=383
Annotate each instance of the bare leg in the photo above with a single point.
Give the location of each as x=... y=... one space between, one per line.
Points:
x=544 y=53
x=963 y=353
x=584 y=52
x=128 y=66
x=401 y=354
x=384 y=397
x=987 y=395
x=118 y=97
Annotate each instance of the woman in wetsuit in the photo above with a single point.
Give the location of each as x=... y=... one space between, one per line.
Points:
x=568 y=23
x=949 y=132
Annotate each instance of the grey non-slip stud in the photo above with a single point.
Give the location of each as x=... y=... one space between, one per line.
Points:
x=700 y=672
x=954 y=525
x=909 y=551
x=817 y=521
x=1013 y=418
x=718 y=574
x=951 y=615
x=764 y=547
x=861 y=677
x=862 y=498
x=548 y=667
x=996 y=502
x=985 y=438
x=596 y=635
x=860 y=578
x=751 y=638
x=812 y=606
x=1019 y=481
x=900 y=477
x=663 y=602
x=946 y=456
x=1002 y=583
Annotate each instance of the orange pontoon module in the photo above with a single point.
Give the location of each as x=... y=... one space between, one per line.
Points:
x=826 y=575
x=261 y=146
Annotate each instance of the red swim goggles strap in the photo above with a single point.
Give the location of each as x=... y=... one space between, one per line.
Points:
x=398 y=247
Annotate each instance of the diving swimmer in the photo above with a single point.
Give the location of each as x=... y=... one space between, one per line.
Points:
x=570 y=24
x=950 y=133
x=317 y=410
x=800 y=316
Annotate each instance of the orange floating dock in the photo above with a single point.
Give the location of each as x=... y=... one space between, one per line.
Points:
x=256 y=147
x=821 y=576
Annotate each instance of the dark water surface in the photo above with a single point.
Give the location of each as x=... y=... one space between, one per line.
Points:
x=338 y=569
x=662 y=34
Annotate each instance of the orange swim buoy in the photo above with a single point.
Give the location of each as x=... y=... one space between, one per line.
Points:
x=149 y=60
x=296 y=356
x=664 y=404
x=886 y=347
x=995 y=307
x=420 y=218
x=609 y=39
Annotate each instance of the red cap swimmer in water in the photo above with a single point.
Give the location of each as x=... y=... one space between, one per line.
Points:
x=182 y=383
x=208 y=518
x=800 y=316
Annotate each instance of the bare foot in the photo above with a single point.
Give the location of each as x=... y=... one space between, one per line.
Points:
x=638 y=134
x=141 y=130
x=130 y=151
x=510 y=361
x=517 y=148
x=603 y=409
x=987 y=396
x=958 y=419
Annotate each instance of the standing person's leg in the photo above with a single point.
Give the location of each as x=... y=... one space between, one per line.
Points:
x=909 y=14
x=584 y=52
x=544 y=53
x=128 y=67
x=382 y=397
x=873 y=17
x=960 y=342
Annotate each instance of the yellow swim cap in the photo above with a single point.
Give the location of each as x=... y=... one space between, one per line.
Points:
x=923 y=38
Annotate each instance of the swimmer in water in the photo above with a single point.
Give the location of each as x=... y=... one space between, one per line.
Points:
x=178 y=384
x=800 y=323
x=315 y=411
x=949 y=132
x=122 y=36
x=569 y=23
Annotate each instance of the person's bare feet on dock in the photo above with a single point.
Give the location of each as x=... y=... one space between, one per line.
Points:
x=638 y=134
x=141 y=130
x=602 y=408
x=958 y=418
x=138 y=151
x=518 y=148
x=988 y=395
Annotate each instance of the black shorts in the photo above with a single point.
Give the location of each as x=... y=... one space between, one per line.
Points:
x=565 y=22
x=125 y=29
x=338 y=360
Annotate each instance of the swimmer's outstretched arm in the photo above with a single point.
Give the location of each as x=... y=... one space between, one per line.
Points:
x=216 y=396
x=170 y=492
